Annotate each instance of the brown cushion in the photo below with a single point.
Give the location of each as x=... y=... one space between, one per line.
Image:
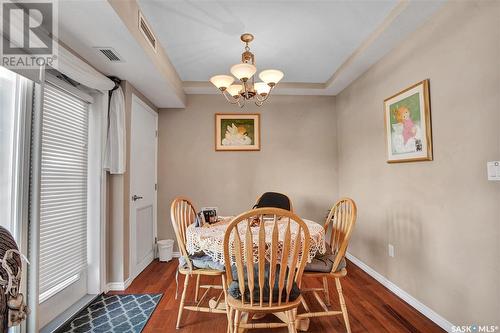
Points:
x=323 y=263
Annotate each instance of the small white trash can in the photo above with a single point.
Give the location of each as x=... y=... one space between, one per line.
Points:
x=165 y=248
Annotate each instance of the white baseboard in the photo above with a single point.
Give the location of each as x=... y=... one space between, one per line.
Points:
x=420 y=307
x=121 y=286
x=118 y=286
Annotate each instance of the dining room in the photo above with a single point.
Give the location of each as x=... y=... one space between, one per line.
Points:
x=339 y=163
x=279 y=166
x=405 y=244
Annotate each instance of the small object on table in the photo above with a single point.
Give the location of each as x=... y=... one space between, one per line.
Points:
x=209 y=214
x=219 y=220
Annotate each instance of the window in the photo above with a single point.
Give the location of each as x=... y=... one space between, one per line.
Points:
x=63 y=196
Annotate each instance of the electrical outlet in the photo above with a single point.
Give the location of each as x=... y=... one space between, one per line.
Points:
x=494 y=170
x=391 y=250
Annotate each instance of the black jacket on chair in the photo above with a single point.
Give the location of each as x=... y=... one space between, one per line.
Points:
x=275 y=200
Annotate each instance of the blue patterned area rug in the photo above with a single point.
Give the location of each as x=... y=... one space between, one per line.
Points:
x=114 y=314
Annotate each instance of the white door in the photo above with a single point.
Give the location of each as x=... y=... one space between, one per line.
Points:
x=143 y=151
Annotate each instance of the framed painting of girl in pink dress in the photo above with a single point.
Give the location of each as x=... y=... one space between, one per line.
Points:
x=408 y=125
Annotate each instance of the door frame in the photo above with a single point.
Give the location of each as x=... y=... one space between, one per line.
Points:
x=133 y=270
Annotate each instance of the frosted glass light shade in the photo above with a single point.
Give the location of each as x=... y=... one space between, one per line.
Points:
x=262 y=88
x=271 y=76
x=222 y=81
x=243 y=71
x=234 y=89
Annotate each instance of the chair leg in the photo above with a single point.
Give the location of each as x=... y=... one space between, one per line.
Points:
x=292 y=316
x=342 y=305
x=243 y=319
x=325 y=289
x=228 y=312
x=236 y=321
x=230 y=323
x=183 y=298
x=197 y=288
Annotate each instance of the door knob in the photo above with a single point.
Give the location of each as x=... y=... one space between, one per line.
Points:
x=136 y=197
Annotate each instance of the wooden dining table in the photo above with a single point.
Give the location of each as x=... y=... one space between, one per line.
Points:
x=209 y=239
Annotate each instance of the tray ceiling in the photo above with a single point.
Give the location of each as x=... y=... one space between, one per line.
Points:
x=308 y=40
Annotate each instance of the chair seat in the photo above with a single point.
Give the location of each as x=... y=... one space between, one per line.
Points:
x=202 y=265
x=323 y=263
x=201 y=261
x=199 y=271
x=206 y=262
x=256 y=308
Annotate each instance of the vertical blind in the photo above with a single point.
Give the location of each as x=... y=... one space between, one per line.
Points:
x=63 y=197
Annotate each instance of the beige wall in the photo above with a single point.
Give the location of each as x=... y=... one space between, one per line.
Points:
x=297 y=157
x=443 y=217
x=119 y=203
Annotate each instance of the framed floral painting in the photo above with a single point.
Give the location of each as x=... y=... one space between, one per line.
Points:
x=237 y=132
x=408 y=125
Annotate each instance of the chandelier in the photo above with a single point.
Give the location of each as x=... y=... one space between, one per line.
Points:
x=247 y=89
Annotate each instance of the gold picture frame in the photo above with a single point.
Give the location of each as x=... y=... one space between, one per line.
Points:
x=237 y=132
x=408 y=132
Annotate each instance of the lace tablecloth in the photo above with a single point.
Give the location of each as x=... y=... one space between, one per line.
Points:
x=210 y=239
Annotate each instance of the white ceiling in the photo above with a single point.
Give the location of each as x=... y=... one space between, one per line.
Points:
x=322 y=46
x=85 y=24
x=308 y=40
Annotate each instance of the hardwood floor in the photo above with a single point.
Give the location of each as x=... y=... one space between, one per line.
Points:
x=372 y=307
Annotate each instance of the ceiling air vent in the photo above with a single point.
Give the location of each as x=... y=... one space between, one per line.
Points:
x=110 y=54
x=147 y=32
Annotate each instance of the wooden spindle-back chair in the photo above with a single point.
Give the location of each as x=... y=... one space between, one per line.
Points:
x=280 y=261
x=183 y=214
x=339 y=225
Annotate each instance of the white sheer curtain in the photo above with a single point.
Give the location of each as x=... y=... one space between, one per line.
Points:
x=10 y=115
x=7 y=116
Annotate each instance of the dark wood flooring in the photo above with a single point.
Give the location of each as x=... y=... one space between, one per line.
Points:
x=372 y=307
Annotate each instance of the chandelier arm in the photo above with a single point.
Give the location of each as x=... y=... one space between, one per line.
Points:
x=233 y=101
x=261 y=101
x=240 y=101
